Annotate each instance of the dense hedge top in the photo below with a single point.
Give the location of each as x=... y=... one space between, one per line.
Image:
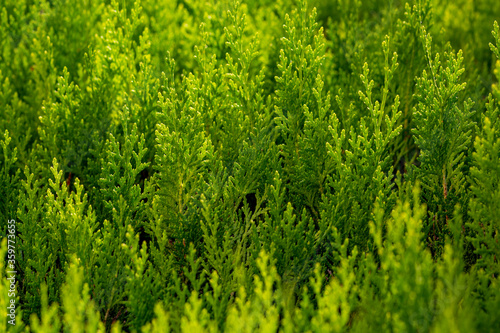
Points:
x=260 y=166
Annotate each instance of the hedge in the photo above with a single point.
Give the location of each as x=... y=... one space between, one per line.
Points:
x=254 y=166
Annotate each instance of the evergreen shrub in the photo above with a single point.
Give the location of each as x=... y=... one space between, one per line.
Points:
x=250 y=166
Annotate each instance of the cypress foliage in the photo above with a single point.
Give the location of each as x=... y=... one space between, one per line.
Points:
x=253 y=166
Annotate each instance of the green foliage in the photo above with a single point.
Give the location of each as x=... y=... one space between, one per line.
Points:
x=485 y=181
x=363 y=171
x=443 y=131
x=253 y=166
x=404 y=276
x=9 y=177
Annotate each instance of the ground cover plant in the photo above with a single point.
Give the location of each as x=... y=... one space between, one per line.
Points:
x=249 y=166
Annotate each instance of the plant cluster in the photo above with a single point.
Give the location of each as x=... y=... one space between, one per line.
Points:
x=253 y=166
